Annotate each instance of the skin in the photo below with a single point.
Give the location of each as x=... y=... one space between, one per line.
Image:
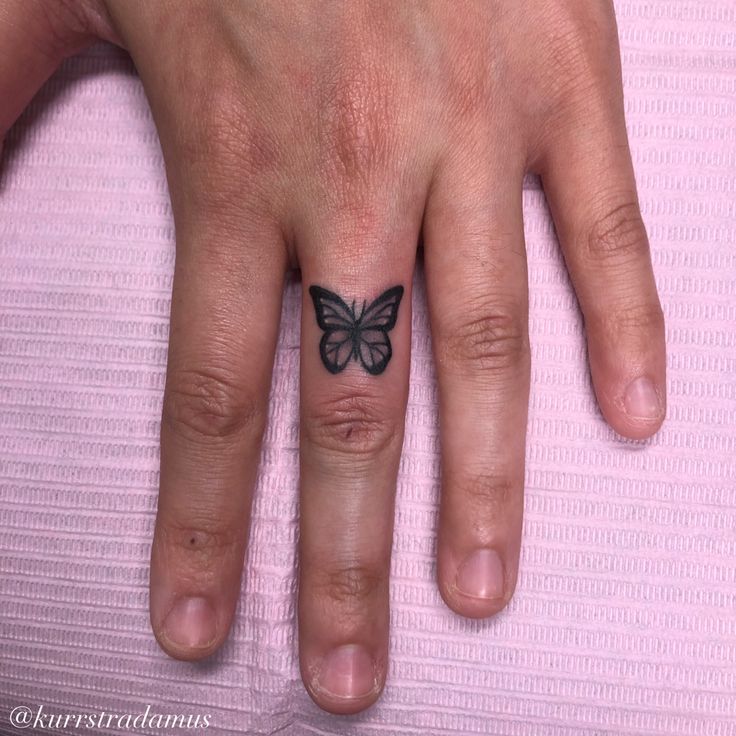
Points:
x=327 y=136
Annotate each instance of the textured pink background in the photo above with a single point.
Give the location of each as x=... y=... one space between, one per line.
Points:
x=624 y=620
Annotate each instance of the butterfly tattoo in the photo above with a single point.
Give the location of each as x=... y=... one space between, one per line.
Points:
x=362 y=337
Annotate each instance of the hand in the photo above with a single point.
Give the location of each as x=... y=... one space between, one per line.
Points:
x=327 y=136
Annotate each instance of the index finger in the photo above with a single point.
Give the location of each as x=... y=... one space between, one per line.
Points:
x=224 y=322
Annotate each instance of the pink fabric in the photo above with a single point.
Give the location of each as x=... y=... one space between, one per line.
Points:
x=623 y=621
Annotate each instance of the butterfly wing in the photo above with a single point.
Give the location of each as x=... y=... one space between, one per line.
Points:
x=382 y=313
x=335 y=349
x=374 y=346
x=332 y=312
x=337 y=320
x=374 y=350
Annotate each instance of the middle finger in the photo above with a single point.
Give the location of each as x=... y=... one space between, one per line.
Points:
x=356 y=321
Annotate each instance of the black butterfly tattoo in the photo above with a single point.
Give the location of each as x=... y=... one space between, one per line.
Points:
x=362 y=337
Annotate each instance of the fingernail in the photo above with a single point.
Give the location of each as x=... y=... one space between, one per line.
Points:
x=347 y=672
x=481 y=575
x=641 y=400
x=191 y=623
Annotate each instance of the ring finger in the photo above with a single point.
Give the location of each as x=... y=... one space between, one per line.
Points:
x=478 y=303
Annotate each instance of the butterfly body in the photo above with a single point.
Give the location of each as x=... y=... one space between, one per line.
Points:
x=361 y=337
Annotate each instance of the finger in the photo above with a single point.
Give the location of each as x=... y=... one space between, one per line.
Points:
x=230 y=264
x=589 y=182
x=477 y=292
x=352 y=425
x=35 y=36
x=224 y=321
x=226 y=302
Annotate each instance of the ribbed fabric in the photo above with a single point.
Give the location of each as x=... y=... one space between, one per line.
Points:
x=623 y=621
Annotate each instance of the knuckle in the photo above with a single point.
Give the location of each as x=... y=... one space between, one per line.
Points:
x=351 y=585
x=576 y=48
x=63 y=23
x=355 y=424
x=206 y=404
x=356 y=121
x=221 y=142
x=579 y=47
x=617 y=235
x=215 y=130
x=238 y=141
x=490 y=337
x=470 y=91
x=570 y=53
